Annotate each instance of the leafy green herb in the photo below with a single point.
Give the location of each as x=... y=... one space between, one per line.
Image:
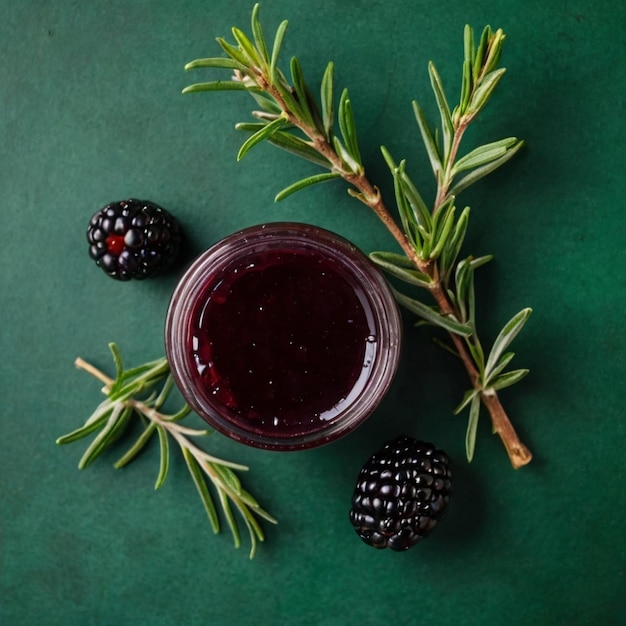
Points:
x=139 y=394
x=431 y=239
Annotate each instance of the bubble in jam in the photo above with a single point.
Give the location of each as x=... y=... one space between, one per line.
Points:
x=282 y=340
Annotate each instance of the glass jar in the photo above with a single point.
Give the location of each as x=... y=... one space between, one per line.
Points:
x=283 y=336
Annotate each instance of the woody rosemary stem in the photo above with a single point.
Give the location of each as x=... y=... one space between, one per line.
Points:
x=94 y=371
x=519 y=454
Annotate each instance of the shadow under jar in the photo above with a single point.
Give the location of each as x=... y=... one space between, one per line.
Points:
x=283 y=336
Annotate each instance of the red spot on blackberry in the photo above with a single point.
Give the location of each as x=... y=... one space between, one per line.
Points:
x=115 y=244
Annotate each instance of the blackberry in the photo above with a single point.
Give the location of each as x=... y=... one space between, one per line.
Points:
x=133 y=239
x=401 y=493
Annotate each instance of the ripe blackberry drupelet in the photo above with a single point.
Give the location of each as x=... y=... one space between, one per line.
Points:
x=401 y=493
x=133 y=239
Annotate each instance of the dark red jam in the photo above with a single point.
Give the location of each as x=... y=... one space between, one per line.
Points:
x=281 y=340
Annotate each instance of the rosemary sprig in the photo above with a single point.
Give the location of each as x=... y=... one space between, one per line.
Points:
x=431 y=239
x=140 y=393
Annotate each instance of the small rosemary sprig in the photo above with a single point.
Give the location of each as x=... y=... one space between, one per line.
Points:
x=430 y=239
x=140 y=393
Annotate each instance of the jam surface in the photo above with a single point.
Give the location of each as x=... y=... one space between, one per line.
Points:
x=282 y=340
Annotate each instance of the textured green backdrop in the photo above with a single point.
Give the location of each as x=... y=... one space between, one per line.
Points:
x=91 y=111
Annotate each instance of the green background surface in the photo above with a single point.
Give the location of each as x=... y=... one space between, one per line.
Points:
x=91 y=111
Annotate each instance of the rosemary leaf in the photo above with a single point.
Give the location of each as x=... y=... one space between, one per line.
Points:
x=347 y=160
x=168 y=385
x=432 y=316
x=408 y=275
x=250 y=501
x=505 y=359
x=216 y=62
x=259 y=136
x=271 y=110
x=348 y=127
x=508 y=379
x=301 y=91
x=305 y=182
x=234 y=53
x=468 y=64
x=467 y=398
x=472 y=426
x=230 y=519
x=229 y=478
x=481 y=52
x=484 y=90
x=466 y=90
x=115 y=424
x=295 y=145
x=443 y=228
x=453 y=245
x=494 y=51
x=409 y=190
x=392 y=258
x=137 y=447
x=119 y=367
x=153 y=369
x=182 y=413
x=139 y=378
x=203 y=491
x=418 y=237
x=218 y=85
x=327 y=96
x=422 y=215
x=468 y=44
x=253 y=127
x=444 y=109
x=428 y=140
x=483 y=155
x=482 y=171
x=481 y=260
x=286 y=94
x=93 y=423
x=165 y=456
x=278 y=44
x=475 y=347
x=505 y=337
x=463 y=279
x=247 y=48
x=257 y=33
x=254 y=530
